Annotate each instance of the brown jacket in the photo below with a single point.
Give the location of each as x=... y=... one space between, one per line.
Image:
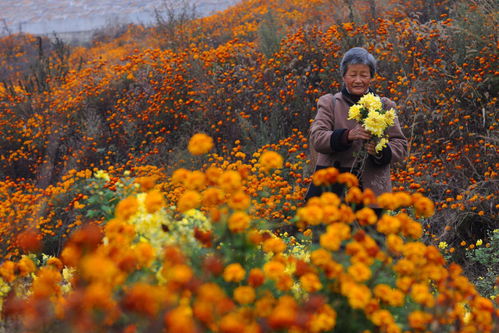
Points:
x=332 y=114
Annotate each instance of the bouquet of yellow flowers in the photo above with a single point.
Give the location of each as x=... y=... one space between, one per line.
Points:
x=370 y=113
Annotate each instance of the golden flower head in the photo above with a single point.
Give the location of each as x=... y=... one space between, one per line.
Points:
x=180 y=175
x=239 y=221
x=239 y=201
x=349 y=179
x=234 y=273
x=212 y=174
x=442 y=245
x=212 y=196
x=270 y=160
x=355 y=112
x=25 y=266
x=360 y=272
x=424 y=207
x=371 y=102
x=195 y=180
x=419 y=320
x=321 y=257
x=101 y=174
x=230 y=181
x=325 y=177
x=375 y=123
x=273 y=269
x=274 y=244
x=323 y=320
x=390 y=117
x=189 y=200
x=311 y=214
x=310 y=282
x=358 y=295
x=381 y=144
x=126 y=208
x=154 y=201
x=200 y=144
x=244 y=294
x=388 y=225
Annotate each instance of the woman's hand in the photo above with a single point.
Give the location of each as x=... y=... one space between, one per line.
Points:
x=358 y=133
x=370 y=147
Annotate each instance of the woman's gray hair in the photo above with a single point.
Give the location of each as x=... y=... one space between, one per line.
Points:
x=355 y=56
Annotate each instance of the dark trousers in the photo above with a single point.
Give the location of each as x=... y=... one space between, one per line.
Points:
x=337 y=188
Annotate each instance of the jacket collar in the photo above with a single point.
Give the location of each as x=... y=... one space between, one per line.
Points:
x=352 y=99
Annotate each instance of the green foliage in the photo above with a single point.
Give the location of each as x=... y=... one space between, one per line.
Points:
x=97 y=196
x=269 y=35
x=101 y=203
x=486 y=263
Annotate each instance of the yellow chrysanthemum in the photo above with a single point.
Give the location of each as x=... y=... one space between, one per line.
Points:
x=390 y=117
x=355 y=112
x=101 y=174
x=4 y=287
x=381 y=144
x=375 y=123
x=371 y=102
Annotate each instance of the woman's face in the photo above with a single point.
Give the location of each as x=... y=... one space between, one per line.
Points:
x=357 y=79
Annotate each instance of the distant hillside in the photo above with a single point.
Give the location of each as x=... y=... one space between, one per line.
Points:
x=75 y=20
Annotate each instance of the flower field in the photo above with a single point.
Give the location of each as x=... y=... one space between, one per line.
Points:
x=154 y=180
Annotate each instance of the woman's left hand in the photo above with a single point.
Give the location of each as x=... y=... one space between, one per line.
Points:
x=370 y=146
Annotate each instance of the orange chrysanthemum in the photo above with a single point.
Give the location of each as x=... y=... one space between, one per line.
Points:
x=200 y=144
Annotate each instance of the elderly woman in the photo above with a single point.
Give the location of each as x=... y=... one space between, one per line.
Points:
x=336 y=139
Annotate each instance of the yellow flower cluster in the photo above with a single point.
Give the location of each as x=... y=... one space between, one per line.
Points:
x=370 y=113
x=371 y=102
x=375 y=123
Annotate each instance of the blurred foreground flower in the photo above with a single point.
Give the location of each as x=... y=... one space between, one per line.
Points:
x=270 y=160
x=200 y=144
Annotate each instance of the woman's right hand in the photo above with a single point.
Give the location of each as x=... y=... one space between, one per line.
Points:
x=358 y=133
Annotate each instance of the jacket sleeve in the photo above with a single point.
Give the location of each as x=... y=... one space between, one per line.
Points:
x=322 y=128
x=396 y=139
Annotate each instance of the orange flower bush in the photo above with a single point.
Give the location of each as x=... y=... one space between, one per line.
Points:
x=192 y=272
